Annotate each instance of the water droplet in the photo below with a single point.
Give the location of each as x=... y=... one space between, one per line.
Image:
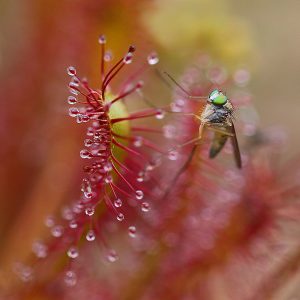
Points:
x=90 y=236
x=90 y=131
x=84 y=153
x=88 y=142
x=152 y=58
x=73 y=112
x=39 y=249
x=120 y=217
x=139 y=195
x=138 y=141
x=70 y=278
x=141 y=176
x=112 y=256
x=89 y=211
x=160 y=114
x=67 y=213
x=173 y=155
x=26 y=274
x=108 y=179
x=107 y=167
x=57 y=231
x=73 y=91
x=73 y=224
x=102 y=39
x=73 y=252
x=73 y=85
x=118 y=203
x=49 y=221
x=145 y=207
x=108 y=56
x=169 y=131
x=72 y=100
x=71 y=71
x=128 y=58
x=85 y=118
x=241 y=77
x=132 y=231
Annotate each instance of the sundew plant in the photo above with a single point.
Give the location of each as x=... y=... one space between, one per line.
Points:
x=148 y=172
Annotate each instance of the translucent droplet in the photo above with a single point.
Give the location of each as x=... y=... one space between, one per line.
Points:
x=128 y=58
x=72 y=100
x=132 y=231
x=67 y=213
x=112 y=256
x=57 y=231
x=241 y=77
x=108 y=179
x=160 y=114
x=141 y=176
x=138 y=141
x=73 y=224
x=49 y=221
x=79 y=118
x=139 y=195
x=145 y=207
x=73 y=85
x=71 y=71
x=90 y=236
x=107 y=167
x=108 y=56
x=39 y=249
x=89 y=211
x=73 y=252
x=73 y=112
x=84 y=153
x=88 y=142
x=173 y=155
x=118 y=203
x=102 y=39
x=120 y=217
x=90 y=131
x=169 y=131
x=152 y=58
x=73 y=91
x=85 y=118
x=70 y=278
x=26 y=274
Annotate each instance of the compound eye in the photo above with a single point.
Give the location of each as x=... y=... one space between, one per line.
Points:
x=213 y=95
x=217 y=98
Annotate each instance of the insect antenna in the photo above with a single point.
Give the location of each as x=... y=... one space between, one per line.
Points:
x=182 y=89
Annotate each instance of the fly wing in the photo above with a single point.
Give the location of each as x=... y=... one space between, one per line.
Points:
x=218 y=143
x=236 y=149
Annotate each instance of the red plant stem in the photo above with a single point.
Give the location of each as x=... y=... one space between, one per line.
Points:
x=134 y=117
x=125 y=180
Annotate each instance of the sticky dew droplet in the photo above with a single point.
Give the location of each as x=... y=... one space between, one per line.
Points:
x=118 y=203
x=112 y=256
x=145 y=207
x=160 y=114
x=152 y=58
x=120 y=217
x=70 y=278
x=132 y=231
x=89 y=211
x=57 y=231
x=73 y=252
x=139 y=195
x=90 y=236
x=72 y=100
x=71 y=71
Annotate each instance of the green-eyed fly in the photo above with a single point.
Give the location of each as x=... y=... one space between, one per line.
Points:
x=217 y=116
